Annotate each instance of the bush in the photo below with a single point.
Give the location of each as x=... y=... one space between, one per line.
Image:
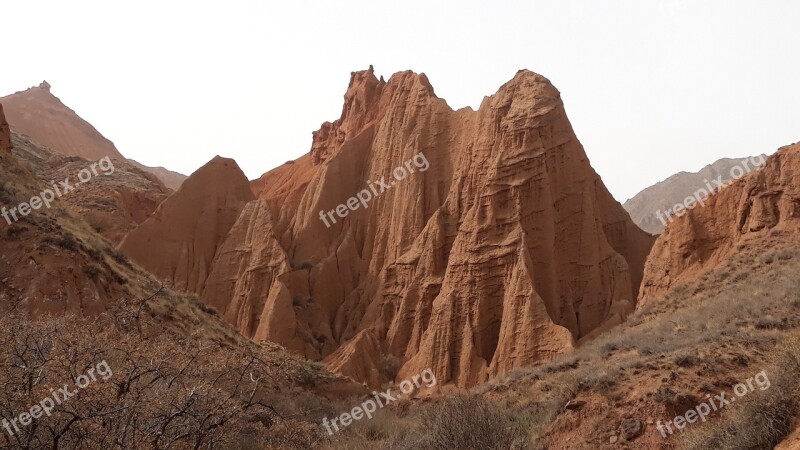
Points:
x=389 y=367
x=470 y=422
x=63 y=240
x=14 y=230
x=93 y=270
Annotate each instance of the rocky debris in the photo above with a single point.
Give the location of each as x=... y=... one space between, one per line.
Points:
x=574 y=405
x=501 y=255
x=704 y=238
x=631 y=428
x=179 y=241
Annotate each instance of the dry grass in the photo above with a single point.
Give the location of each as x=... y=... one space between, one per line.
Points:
x=762 y=419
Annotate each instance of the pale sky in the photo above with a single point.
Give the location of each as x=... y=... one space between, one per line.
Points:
x=651 y=87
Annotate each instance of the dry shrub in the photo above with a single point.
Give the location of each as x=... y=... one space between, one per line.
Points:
x=471 y=422
x=390 y=367
x=168 y=390
x=763 y=418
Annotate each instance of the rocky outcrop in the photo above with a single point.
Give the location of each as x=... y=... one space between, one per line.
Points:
x=5 y=133
x=44 y=118
x=704 y=237
x=179 y=241
x=498 y=255
x=497 y=249
x=653 y=208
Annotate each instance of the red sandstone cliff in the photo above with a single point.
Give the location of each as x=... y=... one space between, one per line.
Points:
x=179 y=241
x=499 y=255
x=704 y=237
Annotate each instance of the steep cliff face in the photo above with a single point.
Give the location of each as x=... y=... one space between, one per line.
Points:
x=179 y=241
x=5 y=133
x=497 y=249
x=748 y=208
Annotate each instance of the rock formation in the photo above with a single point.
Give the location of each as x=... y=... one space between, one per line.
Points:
x=704 y=237
x=40 y=115
x=497 y=250
x=664 y=195
x=5 y=133
x=179 y=241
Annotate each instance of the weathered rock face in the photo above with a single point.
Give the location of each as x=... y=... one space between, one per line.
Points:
x=179 y=241
x=40 y=115
x=498 y=249
x=652 y=208
x=704 y=237
x=5 y=133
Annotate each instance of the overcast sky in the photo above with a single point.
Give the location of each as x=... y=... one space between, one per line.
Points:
x=651 y=87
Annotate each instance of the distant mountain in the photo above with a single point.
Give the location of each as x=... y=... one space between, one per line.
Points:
x=172 y=180
x=40 y=115
x=644 y=207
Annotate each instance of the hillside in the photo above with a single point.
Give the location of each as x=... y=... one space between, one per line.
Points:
x=114 y=201
x=756 y=205
x=158 y=359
